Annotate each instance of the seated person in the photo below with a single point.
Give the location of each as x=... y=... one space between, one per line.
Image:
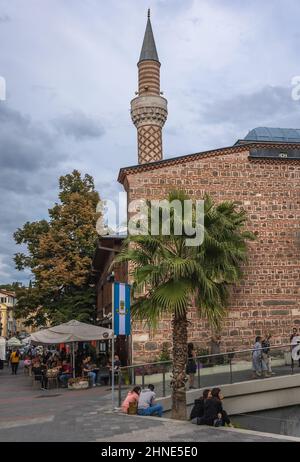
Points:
x=117 y=365
x=131 y=399
x=39 y=369
x=198 y=408
x=146 y=405
x=36 y=368
x=63 y=354
x=87 y=369
x=214 y=415
x=53 y=361
x=103 y=373
x=66 y=373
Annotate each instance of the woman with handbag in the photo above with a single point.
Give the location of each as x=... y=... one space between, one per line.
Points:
x=259 y=366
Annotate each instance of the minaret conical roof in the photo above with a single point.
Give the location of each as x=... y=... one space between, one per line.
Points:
x=149 y=51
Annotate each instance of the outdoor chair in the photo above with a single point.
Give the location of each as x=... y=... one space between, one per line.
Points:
x=36 y=379
x=51 y=381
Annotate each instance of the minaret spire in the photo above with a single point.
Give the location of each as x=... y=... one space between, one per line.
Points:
x=149 y=48
x=149 y=109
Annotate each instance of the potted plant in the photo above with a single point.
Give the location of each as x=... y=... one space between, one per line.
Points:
x=79 y=383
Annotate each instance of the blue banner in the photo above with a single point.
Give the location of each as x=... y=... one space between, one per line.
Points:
x=121 y=308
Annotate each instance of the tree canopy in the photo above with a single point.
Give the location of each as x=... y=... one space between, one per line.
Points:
x=169 y=276
x=59 y=255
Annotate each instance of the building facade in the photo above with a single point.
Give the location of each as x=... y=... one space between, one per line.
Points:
x=262 y=174
x=10 y=326
x=8 y=323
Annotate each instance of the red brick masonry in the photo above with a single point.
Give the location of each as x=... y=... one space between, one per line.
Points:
x=269 y=190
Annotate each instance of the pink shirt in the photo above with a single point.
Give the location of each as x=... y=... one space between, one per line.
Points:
x=130 y=398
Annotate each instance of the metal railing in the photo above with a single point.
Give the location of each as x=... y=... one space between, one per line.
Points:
x=212 y=369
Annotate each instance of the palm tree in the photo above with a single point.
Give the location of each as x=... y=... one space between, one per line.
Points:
x=169 y=276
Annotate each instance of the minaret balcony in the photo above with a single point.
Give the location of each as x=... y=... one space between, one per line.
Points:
x=149 y=110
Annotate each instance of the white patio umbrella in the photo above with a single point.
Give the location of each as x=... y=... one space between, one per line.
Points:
x=26 y=340
x=71 y=332
x=14 y=342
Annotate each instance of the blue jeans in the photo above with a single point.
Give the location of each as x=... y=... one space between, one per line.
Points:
x=63 y=378
x=157 y=409
x=93 y=376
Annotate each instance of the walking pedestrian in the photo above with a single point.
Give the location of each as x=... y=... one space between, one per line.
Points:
x=266 y=353
x=191 y=366
x=14 y=361
x=258 y=364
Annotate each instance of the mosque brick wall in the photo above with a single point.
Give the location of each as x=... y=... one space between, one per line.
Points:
x=267 y=299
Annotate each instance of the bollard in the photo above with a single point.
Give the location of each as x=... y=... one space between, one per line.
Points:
x=164 y=381
x=119 y=389
x=143 y=378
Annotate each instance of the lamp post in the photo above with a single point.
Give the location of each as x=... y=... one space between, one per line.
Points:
x=111 y=279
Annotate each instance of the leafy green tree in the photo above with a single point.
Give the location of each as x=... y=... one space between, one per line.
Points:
x=169 y=276
x=59 y=255
x=11 y=287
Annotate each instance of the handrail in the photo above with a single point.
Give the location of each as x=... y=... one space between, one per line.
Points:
x=131 y=370
x=211 y=355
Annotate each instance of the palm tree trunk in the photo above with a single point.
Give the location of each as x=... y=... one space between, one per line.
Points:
x=179 y=332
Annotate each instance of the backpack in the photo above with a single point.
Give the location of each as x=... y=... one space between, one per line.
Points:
x=132 y=409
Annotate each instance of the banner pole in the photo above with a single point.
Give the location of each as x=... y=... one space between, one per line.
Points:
x=73 y=358
x=113 y=349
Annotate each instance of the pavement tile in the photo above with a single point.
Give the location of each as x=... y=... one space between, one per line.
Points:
x=87 y=416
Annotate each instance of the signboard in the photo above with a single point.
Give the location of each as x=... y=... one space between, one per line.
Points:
x=121 y=301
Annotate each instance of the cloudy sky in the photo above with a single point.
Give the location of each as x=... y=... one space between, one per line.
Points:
x=70 y=71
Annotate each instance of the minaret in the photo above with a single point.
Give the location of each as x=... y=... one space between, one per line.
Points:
x=149 y=110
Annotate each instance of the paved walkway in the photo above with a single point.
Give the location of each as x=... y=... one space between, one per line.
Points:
x=29 y=414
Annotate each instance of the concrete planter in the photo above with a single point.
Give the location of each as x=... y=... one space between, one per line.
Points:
x=78 y=385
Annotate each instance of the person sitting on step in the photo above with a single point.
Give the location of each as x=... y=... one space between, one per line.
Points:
x=146 y=405
x=130 y=403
